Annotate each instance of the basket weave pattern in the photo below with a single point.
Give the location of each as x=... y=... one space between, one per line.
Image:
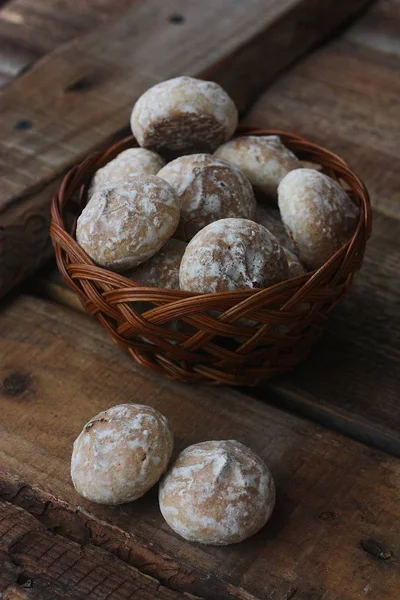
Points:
x=239 y=337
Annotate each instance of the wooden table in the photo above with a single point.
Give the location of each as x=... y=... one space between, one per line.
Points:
x=329 y=431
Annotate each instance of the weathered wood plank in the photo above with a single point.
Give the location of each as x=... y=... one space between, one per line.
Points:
x=334 y=495
x=37 y=564
x=29 y=29
x=351 y=381
x=81 y=94
x=344 y=96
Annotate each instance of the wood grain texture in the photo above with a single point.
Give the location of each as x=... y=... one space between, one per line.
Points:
x=345 y=97
x=79 y=95
x=351 y=381
x=29 y=29
x=337 y=500
x=37 y=564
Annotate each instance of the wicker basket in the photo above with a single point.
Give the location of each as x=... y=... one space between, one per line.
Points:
x=204 y=337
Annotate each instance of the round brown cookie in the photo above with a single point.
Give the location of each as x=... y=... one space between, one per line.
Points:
x=121 y=453
x=122 y=226
x=262 y=158
x=184 y=114
x=162 y=269
x=208 y=190
x=127 y=165
x=295 y=266
x=217 y=492
x=232 y=254
x=318 y=215
x=270 y=218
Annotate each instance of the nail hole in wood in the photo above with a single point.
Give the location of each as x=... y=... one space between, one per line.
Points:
x=177 y=19
x=81 y=85
x=23 y=124
x=376 y=548
x=16 y=384
x=327 y=516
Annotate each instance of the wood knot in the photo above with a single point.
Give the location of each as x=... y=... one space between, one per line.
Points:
x=23 y=124
x=327 y=516
x=16 y=383
x=376 y=548
x=24 y=581
x=81 y=85
x=176 y=19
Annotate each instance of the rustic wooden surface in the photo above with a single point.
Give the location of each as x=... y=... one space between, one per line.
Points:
x=345 y=96
x=37 y=564
x=30 y=29
x=81 y=94
x=336 y=529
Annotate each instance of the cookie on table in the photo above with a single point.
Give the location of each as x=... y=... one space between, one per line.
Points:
x=217 y=493
x=318 y=214
x=184 y=114
x=122 y=226
x=208 y=189
x=263 y=159
x=127 y=165
x=121 y=453
x=232 y=254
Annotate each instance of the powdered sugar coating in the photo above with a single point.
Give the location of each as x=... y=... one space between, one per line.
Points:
x=217 y=492
x=184 y=112
x=162 y=269
x=263 y=159
x=318 y=214
x=123 y=226
x=270 y=218
x=232 y=254
x=208 y=190
x=128 y=164
x=121 y=453
x=295 y=266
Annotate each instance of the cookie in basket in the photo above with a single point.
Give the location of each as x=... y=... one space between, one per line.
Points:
x=127 y=165
x=318 y=214
x=162 y=269
x=270 y=218
x=184 y=114
x=122 y=226
x=263 y=159
x=295 y=266
x=208 y=189
x=232 y=254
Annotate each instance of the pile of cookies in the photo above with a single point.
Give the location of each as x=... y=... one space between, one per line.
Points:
x=181 y=211
x=216 y=492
